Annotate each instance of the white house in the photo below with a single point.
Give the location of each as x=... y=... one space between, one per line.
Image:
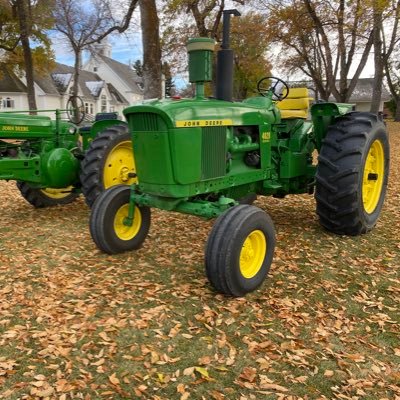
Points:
x=122 y=76
x=105 y=85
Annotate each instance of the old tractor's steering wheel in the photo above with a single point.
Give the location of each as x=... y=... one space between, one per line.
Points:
x=75 y=110
x=275 y=85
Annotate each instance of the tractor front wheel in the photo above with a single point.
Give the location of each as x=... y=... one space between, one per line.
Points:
x=108 y=162
x=47 y=197
x=352 y=174
x=110 y=227
x=239 y=250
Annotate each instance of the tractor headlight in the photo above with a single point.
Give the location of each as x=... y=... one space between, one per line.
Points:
x=72 y=130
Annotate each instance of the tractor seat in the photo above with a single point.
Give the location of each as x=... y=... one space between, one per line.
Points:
x=296 y=105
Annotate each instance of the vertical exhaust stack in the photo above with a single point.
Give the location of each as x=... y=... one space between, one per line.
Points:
x=224 y=87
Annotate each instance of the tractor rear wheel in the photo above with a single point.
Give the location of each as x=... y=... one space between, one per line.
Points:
x=47 y=197
x=109 y=227
x=108 y=162
x=239 y=250
x=352 y=174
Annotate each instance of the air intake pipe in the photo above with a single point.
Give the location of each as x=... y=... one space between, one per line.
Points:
x=224 y=87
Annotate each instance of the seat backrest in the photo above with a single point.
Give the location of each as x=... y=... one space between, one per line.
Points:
x=106 y=115
x=296 y=105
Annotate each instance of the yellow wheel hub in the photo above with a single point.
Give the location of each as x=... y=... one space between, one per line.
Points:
x=118 y=166
x=252 y=254
x=123 y=231
x=374 y=170
x=57 y=193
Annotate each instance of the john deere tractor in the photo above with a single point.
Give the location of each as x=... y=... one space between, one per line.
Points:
x=211 y=156
x=54 y=160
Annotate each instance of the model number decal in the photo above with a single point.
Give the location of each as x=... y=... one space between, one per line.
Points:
x=266 y=136
x=15 y=128
x=203 y=122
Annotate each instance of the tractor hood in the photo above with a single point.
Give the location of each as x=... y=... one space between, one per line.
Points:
x=206 y=112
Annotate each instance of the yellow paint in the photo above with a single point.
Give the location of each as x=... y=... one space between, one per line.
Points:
x=374 y=169
x=296 y=105
x=252 y=254
x=119 y=164
x=15 y=128
x=126 y=232
x=57 y=193
x=203 y=123
x=266 y=136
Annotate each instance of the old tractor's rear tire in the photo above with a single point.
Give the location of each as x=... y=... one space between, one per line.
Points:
x=239 y=250
x=48 y=197
x=352 y=174
x=107 y=226
x=108 y=162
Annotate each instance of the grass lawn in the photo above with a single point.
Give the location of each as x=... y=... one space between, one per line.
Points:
x=79 y=324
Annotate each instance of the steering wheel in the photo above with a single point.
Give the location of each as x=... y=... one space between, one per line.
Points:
x=273 y=86
x=75 y=110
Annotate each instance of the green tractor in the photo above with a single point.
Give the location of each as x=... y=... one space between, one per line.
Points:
x=53 y=161
x=211 y=157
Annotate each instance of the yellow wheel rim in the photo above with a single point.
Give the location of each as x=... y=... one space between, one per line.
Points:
x=374 y=170
x=119 y=164
x=126 y=232
x=57 y=193
x=252 y=254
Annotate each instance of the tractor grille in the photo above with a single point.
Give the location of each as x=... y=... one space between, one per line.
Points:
x=147 y=122
x=213 y=163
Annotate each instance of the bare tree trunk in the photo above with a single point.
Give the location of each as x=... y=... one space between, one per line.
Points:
x=397 y=112
x=24 y=28
x=77 y=67
x=378 y=62
x=151 y=49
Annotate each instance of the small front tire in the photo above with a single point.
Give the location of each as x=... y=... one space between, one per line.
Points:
x=107 y=221
x=240 y=250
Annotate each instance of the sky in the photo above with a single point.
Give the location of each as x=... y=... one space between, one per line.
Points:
x=125 y=48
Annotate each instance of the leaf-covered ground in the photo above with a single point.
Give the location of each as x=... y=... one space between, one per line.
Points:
x=79 y=324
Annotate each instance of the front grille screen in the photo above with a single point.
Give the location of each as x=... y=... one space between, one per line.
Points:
x=213 y=152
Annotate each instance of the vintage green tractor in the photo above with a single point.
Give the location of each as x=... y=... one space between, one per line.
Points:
x=54 y=160
x=211 y=156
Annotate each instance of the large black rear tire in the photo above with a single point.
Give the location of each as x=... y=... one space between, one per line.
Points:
x=239 y=250
x=352 y=174
x=47 y=197
x=108 y=162
x=107 y=226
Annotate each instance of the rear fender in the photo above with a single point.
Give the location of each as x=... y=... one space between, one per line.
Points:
x=323 y=115
x=98 y=126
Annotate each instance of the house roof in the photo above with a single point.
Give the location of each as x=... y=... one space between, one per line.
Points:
x=363 y=91
x=47 y=84
x=117 y=96
x=9 y=82
x=62 y=71
x=125 y=72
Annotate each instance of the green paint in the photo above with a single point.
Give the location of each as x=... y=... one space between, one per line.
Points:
x=50 y=150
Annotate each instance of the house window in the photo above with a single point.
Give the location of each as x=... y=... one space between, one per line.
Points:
x=103 y=103
x=94 y=69
x=8 y=102
x=89 y=108
x=112 y=109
